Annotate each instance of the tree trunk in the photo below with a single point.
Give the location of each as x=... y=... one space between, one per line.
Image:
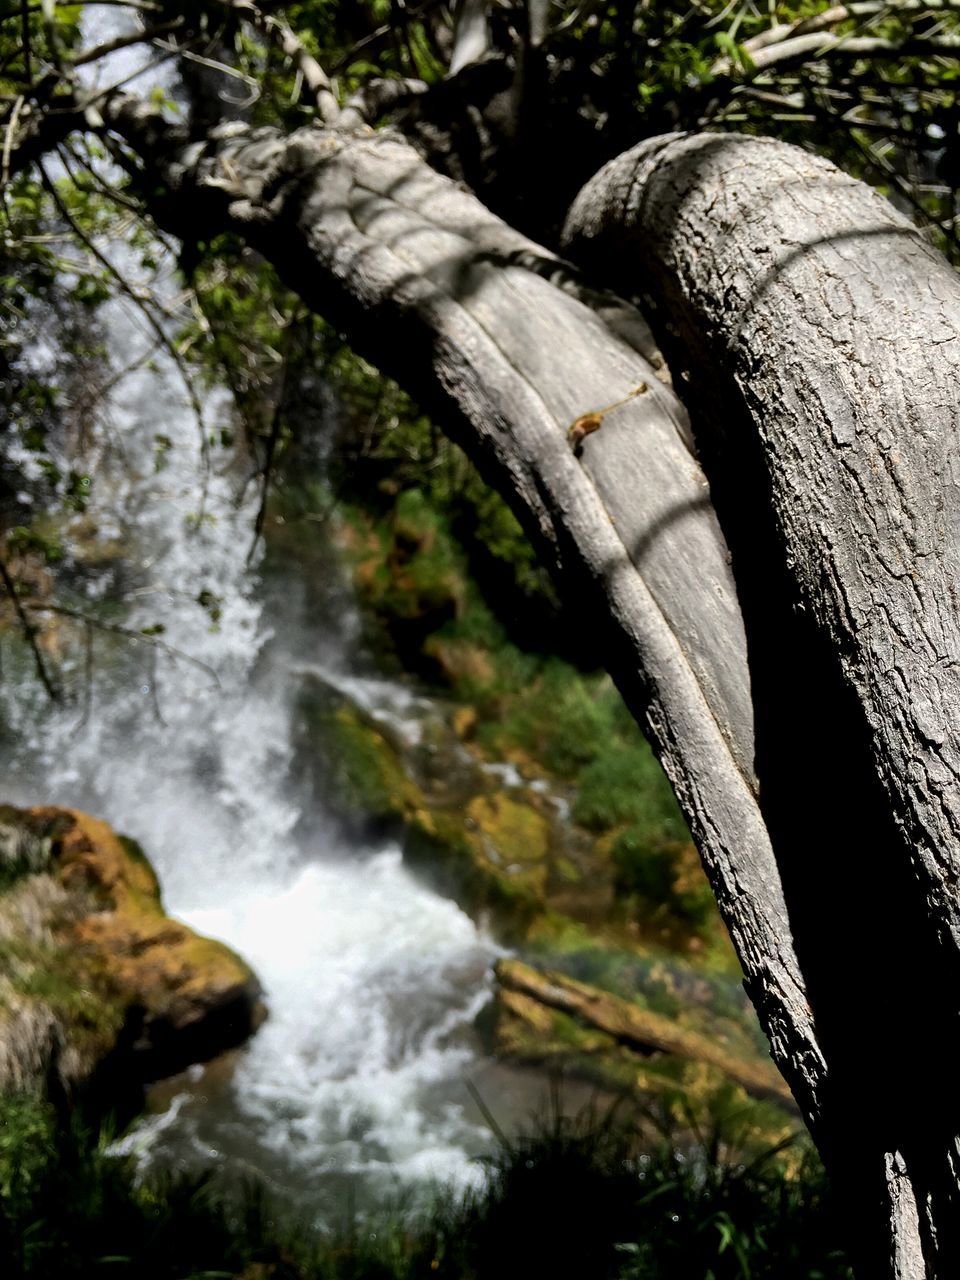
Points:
x=508 y=347
x=818 y=338
x=809 y=737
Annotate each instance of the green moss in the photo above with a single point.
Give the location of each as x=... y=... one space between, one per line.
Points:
x=359 y=773
x=369 y=775
x=624 y=783
x=710 y=1002
x=71 y=985
x=136 y=854
x=438 y=846
x=510 y=832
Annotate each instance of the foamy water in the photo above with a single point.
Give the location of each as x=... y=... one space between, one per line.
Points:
x=372 y=981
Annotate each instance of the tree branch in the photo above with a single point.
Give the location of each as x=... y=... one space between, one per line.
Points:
x=29 y=632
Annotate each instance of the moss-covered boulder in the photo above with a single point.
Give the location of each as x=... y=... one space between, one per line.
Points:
x=459 y=829
x=100 y=991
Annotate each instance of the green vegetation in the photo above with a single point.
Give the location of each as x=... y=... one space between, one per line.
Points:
x=571 y=1198
x=469 y=613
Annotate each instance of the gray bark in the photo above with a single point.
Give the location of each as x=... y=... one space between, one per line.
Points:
x=804 y=701
x=818 y=337
x=505 y=344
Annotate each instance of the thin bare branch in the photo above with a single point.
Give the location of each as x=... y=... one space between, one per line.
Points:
x=130 y=292
x=145 y=35
x=816 y=45
x=215 y=65
x=29 y=632
x=117 y=629
x=313 y=75
x=276 y=422
x=843 y=13
x=8 y=136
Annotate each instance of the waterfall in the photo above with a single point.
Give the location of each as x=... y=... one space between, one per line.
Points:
x=183 y=741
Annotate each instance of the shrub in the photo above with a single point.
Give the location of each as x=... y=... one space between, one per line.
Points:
x=571 y=1197
x=625 y=784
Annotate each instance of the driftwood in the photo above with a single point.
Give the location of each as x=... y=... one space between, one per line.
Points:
x=638 y=1029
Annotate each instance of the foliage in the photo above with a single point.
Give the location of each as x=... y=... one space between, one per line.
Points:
x=663 y=875
x=619 y=786
x=570 y=1197
x=874 y=87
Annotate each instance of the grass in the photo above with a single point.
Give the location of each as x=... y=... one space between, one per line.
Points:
x=571 y=1197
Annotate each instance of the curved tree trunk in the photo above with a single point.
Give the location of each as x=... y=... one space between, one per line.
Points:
x=808 y=730
x=818 y=337
x=506 y=345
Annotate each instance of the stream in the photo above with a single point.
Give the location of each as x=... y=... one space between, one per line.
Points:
x=182 y=739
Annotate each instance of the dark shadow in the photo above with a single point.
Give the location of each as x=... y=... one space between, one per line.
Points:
x=882 y=986
x=678 y=512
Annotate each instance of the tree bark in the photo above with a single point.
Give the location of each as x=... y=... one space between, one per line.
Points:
x=508 y=347
x=809 y=728
x=818 y=339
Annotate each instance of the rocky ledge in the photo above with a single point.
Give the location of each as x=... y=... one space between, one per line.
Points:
x=100 y=991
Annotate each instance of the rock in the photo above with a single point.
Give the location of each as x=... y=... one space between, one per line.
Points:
x=100 y=991
x=463 y=722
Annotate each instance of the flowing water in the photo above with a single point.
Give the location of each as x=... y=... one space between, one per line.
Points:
x=372 y=980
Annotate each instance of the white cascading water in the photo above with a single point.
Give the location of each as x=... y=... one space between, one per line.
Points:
x=372 y=981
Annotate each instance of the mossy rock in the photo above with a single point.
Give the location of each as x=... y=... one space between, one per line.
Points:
x=356 y=771
x=96 y=982
x=367 y=772
x=512 y=835
x=439 y=847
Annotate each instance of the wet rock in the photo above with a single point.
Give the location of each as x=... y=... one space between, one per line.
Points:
x=100 y=991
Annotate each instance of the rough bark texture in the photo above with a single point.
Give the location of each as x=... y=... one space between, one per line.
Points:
x=503 y=342
x=810 y=728
x=818 y=337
